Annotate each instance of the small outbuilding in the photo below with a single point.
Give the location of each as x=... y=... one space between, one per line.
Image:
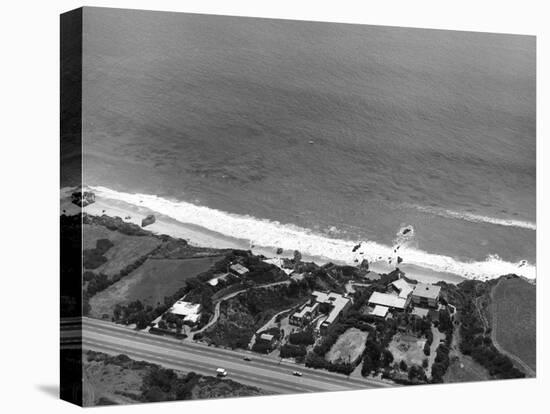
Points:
x=238 y=269
x=380 y=311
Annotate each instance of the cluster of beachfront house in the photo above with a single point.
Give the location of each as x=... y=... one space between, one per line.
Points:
x=331 y=304
x=401 y=294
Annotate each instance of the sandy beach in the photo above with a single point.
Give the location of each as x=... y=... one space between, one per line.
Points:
x=163 y=225
x=200 y=236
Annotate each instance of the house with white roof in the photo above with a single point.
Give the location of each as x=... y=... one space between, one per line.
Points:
x=189 y=312
x=388 y=300
x=402 y=288
x=238 y=269
x=380 y=311
x=337 y=304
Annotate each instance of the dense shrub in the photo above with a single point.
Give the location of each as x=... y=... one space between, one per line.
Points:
x=427 y=347
x=417 y=374
x=93 y=258
x=97 y=283
x=160 y=384
x=302 y=338
x=315 y=361
x=262 y=347
x=293 y=351
x=441 y=363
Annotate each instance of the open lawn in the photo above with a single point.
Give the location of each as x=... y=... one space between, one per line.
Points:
x=464 y=369
x=150 y=283
x=514 y=320
x=407 y=348
x=349 y=346
x=125 y=250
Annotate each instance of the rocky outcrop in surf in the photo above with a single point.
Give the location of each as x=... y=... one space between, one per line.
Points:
x=150 y=219
x=82 y=198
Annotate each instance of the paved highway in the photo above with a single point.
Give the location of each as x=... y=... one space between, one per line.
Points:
x=263 y=372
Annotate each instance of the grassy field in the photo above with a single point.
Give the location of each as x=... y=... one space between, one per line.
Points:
x=125 y=250
x=149 y=283
x=464 y=369
x=349 y=346
x=514 y=319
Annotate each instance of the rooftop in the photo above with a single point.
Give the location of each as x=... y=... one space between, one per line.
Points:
x=427 y=291
x=277 y=261
x=403 y=287
x=380 y=311
x=337 y=300
x=420 y=312
x=307 y=308
x=266 y=337
x=190 y=311
x=390 y=301
x=239 y=268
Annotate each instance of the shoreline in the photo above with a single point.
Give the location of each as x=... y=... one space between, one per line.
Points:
x=201 y=237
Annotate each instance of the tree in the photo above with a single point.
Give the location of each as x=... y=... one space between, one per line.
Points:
x=154 y=394
x=438 y=370
x=301 y=338
x=416 y=373
x=387 y=357
x=372 y=349
x=403 y=365
x=368 y=366
x=141 y=320
x=293 y=351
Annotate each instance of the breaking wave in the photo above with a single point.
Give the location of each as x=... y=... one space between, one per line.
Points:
x=267 y=233
x=474 y=218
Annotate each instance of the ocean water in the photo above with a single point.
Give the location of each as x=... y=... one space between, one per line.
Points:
x=317 y=136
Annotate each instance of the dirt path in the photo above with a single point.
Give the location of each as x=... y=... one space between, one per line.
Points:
x=482 y=316
x=526 y=368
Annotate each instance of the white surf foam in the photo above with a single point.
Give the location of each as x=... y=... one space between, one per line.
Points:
x=266 y=233
x=474 y=218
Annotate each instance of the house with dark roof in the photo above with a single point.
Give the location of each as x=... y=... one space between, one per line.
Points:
x=426 y=295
